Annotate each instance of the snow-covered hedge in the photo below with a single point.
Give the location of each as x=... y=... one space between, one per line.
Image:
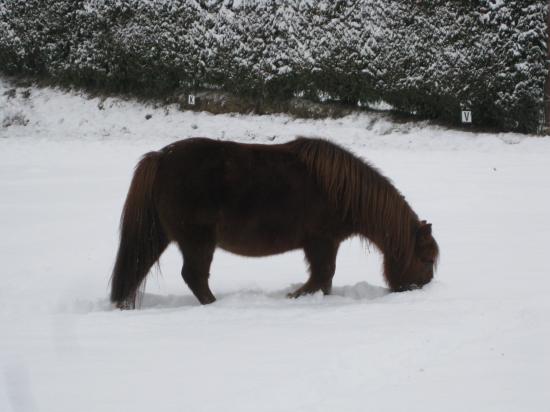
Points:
x=426 y=57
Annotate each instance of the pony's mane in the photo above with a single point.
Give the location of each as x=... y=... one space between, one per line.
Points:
x=363 y=195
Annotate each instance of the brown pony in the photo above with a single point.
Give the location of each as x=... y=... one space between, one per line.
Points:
x=259 y=200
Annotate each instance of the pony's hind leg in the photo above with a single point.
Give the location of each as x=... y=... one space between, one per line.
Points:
x=321 y=256
x=197 y=246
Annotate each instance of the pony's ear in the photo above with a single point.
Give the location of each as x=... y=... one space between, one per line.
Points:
x=425 y=229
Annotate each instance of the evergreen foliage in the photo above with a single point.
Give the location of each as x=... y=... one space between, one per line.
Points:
x=422 y=57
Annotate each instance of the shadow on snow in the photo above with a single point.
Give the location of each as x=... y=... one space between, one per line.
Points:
x=361 y=291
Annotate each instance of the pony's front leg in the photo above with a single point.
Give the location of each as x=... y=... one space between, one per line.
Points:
x=321 y=256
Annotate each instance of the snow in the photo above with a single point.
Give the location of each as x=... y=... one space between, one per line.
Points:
x=474 y=339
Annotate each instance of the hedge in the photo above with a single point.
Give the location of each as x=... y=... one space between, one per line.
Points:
x=425 y=57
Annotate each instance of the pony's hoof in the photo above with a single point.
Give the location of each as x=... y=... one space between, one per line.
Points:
x=310 y=289
x=126 y=305
x=406 y=288
x=300 y=292
x=207 y=300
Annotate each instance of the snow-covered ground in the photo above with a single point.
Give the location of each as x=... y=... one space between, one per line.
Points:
x=477 y=338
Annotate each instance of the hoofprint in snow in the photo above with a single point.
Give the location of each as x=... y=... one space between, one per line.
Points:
x=474 y=339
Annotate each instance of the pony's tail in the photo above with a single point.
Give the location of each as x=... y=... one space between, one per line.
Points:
x=142 y=239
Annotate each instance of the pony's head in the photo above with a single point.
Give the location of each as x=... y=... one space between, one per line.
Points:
x=420 y=269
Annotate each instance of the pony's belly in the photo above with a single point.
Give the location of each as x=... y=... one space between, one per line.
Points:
x=252 y=250
x=256 y=243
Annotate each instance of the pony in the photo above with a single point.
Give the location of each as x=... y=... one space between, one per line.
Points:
x=259 y=200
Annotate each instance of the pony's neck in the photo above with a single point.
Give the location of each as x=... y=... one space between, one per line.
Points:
x=396 y=240
x=393 y=231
